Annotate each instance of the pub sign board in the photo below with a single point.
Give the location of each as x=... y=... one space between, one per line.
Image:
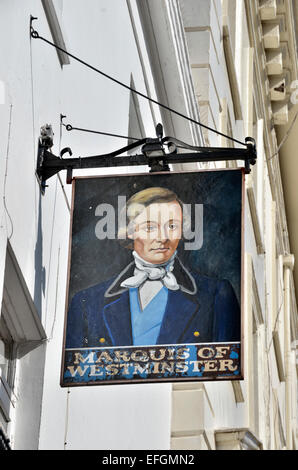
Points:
x=154 y=288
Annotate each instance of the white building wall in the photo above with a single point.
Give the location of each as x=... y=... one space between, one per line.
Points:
x=196 y=75
x=39 y=89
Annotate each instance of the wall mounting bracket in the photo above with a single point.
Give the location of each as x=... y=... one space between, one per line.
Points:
x=158 y=153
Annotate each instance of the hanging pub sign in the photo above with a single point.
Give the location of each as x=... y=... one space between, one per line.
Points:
x=155 y=278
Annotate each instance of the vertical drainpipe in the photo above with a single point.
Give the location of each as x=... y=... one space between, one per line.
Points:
x=288 y=263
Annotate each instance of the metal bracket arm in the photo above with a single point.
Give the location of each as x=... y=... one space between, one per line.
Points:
x=153 y=154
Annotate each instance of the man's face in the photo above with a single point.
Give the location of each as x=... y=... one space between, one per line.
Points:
x=157 y=231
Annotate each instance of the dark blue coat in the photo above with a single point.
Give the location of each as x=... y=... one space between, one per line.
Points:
x=203 y=310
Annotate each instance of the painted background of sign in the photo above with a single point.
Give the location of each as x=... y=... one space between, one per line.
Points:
x=93 y=261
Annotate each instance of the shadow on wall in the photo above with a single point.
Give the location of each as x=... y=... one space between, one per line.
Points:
x=40 y=272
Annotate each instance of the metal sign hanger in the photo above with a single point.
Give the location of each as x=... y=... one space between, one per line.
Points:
x=158 y=153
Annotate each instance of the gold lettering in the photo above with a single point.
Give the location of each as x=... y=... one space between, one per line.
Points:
x=227 y=364
x=183 y=353
x=221 y=351
x=139 y=355
x=166 y=366
x=171 y=354
x=181 y=367
x=206 y=352
x=140 y=369
x=111 y=369
x=197 y=365
x=155 y=368
x=161 y=351
x=211 y=365
x=104 y=357
x=95 y=370
x=125 y=368
x=78 y=370
x=122 y=355
x=79 y=358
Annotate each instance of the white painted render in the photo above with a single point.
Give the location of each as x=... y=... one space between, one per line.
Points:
x=175 y=52
x=39 y=90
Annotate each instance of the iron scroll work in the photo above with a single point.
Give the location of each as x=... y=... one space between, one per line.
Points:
x=155 y=275
x=158 y=153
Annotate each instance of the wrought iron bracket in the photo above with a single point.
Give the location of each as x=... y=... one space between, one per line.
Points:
x=157 y=153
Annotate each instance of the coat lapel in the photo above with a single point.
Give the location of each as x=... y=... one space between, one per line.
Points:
x=180 y=310
x=117 y=319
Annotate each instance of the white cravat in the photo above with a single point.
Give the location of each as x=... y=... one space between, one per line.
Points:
x=148 y=291
x=154 y=272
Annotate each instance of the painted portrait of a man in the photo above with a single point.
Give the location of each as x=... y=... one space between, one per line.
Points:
x=156 y=298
